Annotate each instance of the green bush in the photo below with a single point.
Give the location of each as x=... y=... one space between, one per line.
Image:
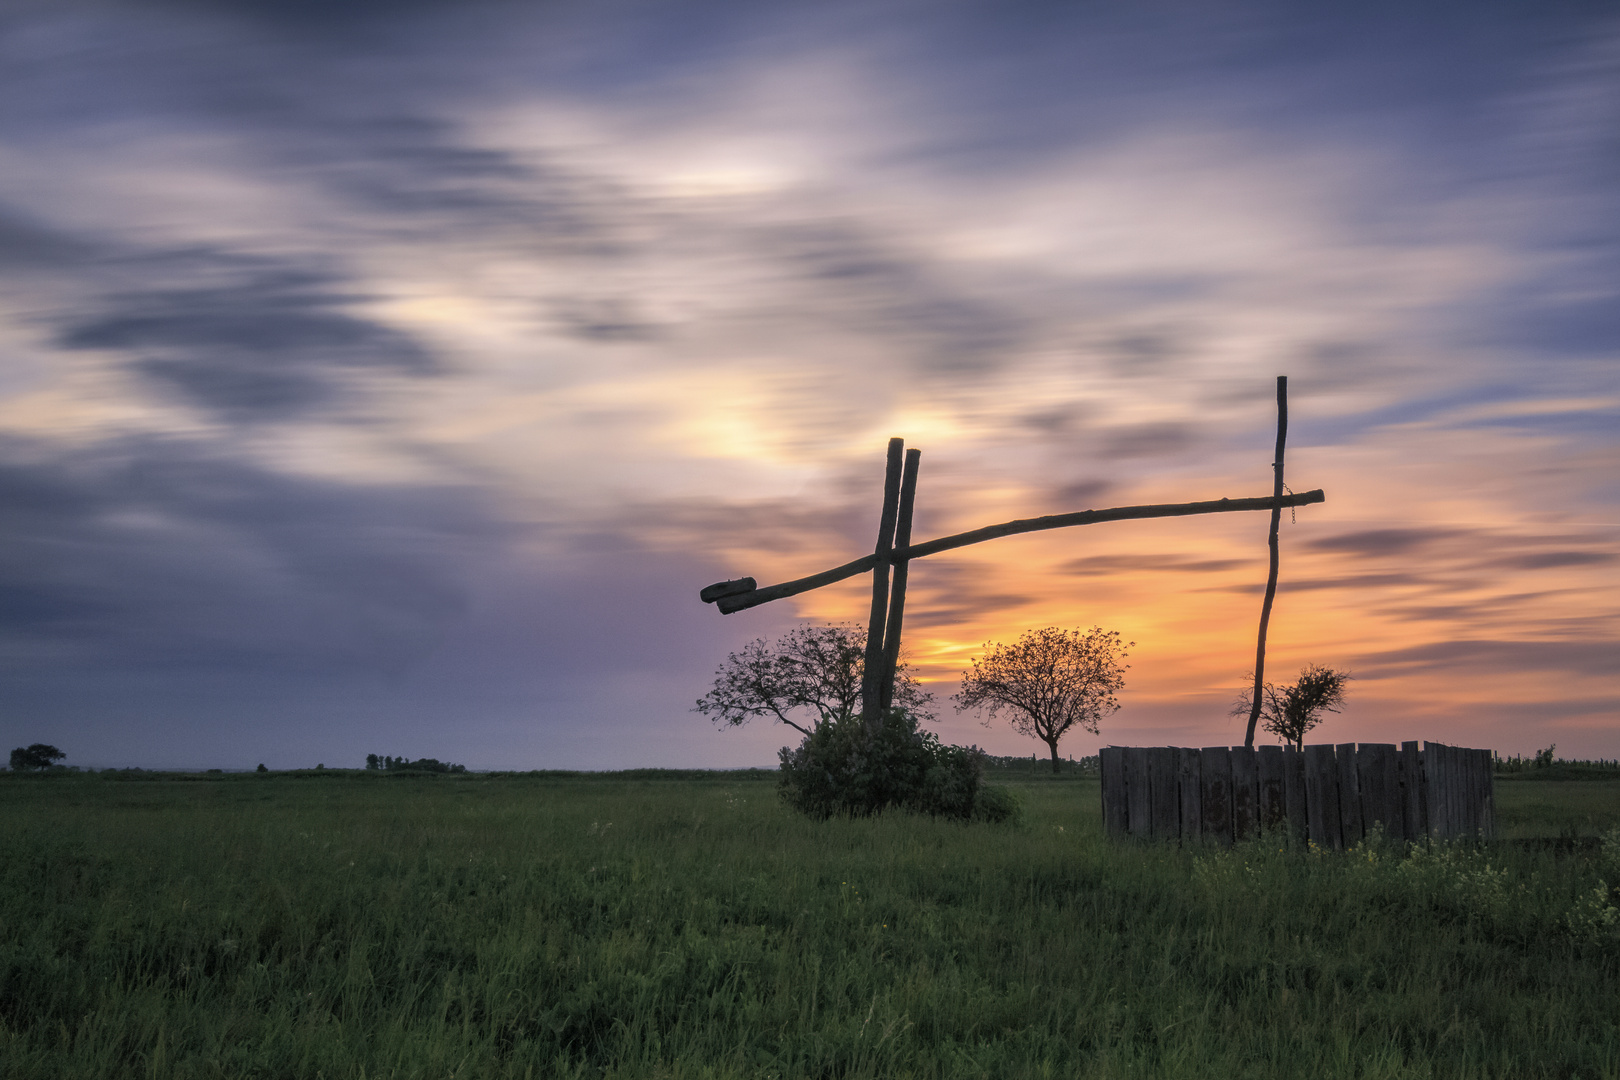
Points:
x=843 y=768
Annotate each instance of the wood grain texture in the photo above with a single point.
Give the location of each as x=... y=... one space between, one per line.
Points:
x=1215 y=798
x=1245 y=793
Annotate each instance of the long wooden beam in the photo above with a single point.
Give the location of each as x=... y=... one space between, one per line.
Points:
x=754 y=597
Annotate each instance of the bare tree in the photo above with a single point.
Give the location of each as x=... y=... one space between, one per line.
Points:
x=1050 y=681
x=813 y=672
x=1291 y=710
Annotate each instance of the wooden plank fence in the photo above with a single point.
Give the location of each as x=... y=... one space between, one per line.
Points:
x=1332 y=795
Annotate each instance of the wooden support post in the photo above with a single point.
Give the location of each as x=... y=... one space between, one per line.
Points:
x=897 y=592
x=1271 y=578
x=872 y=674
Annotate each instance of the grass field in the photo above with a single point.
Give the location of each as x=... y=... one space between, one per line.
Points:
x=352 y=925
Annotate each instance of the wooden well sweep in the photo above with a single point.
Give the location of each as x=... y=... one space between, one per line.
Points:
x=1330 y=795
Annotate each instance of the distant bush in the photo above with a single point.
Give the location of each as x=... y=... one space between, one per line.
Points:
x=397 y=764
x=844 y=768
x=1545 y=766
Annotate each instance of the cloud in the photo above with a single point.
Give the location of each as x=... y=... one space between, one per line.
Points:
x=274 y=344
x=1586 y=658
x=1380 y=543
x=165 y=552
x=1109 y=565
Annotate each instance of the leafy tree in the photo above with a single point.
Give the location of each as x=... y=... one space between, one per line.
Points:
x=1050 y=681
x=811 y=669
x=373 y=761
x=35 y=758
x=1291 y=710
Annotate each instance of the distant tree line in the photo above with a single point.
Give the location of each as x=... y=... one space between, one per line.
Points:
x=399 y=764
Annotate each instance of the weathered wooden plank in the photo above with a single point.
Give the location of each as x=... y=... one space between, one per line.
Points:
x=1322 y=796
x=1350 y=824
x=1138 y=793
x=1455 y=799
x=1190 y=773
x=1164 y=779
x=1490 y=795
x=1436 y=782
x=1111 y=764
x=1294 y=792
x=1465 y=816
x=730 y=604
x=1411 y=774
x=1215 y=798
x=1380 y=792
x=1478 y=778
x=1245 y=793
x=1273 y=803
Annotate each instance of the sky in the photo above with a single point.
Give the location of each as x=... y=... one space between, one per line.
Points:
x=389 y=377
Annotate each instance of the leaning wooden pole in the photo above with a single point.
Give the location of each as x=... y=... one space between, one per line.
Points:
x=872 y=671
x=1271 y=578
x=897 y=592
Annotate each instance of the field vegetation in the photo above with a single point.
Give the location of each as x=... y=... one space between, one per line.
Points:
x=383 y=924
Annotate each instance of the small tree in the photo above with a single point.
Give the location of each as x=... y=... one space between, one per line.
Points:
x=36 y=758
x=811 y=669
x=1291 y=710
x=1050 y=680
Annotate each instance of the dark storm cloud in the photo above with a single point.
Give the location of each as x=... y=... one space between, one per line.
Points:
x=168 y=552
x=272 y=345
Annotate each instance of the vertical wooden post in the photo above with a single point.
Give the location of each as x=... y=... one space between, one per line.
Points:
x=1111 y=764
x=1245 y=793
x=872 y=672
x=1138 y=793
x=1164 y=783
x=1271 y=578
x=1294 y=791
x=897 y=593
x=1215 y=793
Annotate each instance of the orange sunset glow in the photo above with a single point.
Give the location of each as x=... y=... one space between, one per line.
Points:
x=394 y=385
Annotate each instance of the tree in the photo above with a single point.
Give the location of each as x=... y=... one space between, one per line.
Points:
x=810 y=669
x=1050 y=680
x=36 y=758
x=1291 y=710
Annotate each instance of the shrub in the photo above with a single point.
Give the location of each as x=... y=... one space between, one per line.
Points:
x=842 y=767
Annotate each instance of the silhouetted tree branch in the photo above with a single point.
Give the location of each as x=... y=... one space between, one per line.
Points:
x=815 y=670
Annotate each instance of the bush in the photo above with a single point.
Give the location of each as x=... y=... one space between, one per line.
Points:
x=843 y=768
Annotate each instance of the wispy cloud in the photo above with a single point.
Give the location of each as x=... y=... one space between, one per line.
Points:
x=434 y=340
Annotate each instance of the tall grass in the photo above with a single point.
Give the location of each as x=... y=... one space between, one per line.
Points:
x=694 y=927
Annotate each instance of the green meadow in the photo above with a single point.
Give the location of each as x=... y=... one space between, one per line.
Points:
x=345 y=924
